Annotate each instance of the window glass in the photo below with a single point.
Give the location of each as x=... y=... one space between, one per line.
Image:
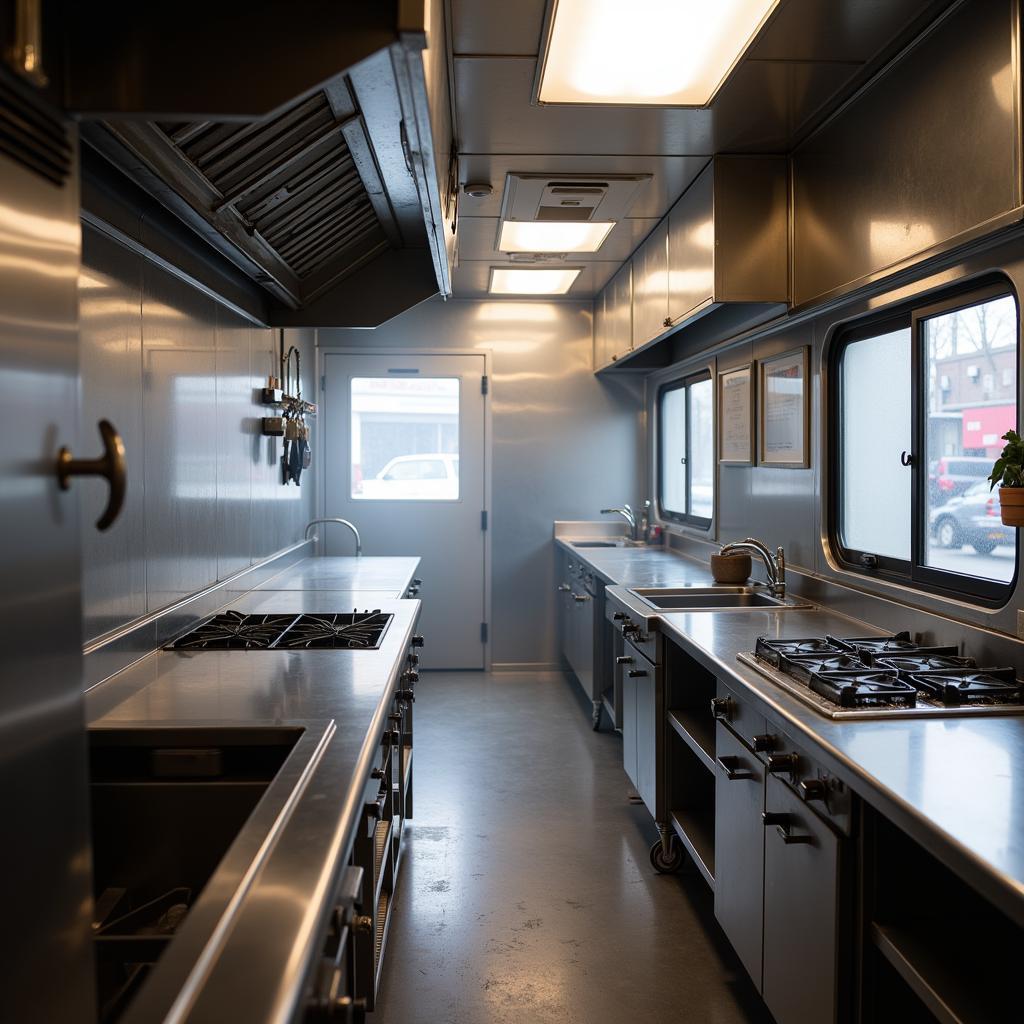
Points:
x=686 y=451
x=970 y=373
x=702 y=448
x=405 y=438
x=673 y=451
x=875 y=430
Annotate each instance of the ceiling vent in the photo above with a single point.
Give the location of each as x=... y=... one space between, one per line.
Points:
x=569 y=199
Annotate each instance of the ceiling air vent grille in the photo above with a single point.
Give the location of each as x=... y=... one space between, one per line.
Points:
x=33 y=136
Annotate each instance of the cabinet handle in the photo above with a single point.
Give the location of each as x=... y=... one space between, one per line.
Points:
x=782 y=828
x=623 y=659
x=564 y=588
x=636 y=673
x=581 y=597
x=727 y=762
x=111 y=465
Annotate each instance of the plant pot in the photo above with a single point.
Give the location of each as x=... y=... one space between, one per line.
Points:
x=1011 y=505
x=731 y=568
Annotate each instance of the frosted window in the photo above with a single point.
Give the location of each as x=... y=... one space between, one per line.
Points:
x=969 y=350
x=405 y=438
x=876 y=430
x=673 y=451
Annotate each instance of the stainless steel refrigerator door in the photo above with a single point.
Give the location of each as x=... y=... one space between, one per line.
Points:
x=45 y=853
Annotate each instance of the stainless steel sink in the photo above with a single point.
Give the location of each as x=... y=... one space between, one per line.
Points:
x=621 y=542
x=713 y=599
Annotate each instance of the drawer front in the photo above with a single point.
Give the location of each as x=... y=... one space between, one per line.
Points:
x=739 y=847
x=738 y=715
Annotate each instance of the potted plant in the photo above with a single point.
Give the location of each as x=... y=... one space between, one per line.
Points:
x=1008 y=472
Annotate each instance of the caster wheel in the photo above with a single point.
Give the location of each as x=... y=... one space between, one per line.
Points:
x=667 y=865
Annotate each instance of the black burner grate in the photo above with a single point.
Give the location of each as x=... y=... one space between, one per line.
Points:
x=864 y=689
x=234 y=631
x=970 y=686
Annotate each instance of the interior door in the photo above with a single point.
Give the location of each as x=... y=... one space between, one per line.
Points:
x=405 y=461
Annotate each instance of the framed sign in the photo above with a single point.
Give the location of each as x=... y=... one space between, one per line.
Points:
x=784 y=410
x=736 y=416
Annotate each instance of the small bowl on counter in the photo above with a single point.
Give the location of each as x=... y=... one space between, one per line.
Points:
x=732 y=568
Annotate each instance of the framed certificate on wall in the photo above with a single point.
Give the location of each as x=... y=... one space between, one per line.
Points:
x=736 y=416
x=784 y=410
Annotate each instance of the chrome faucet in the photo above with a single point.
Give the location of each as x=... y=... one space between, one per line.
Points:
x=774 y=565
x=627 y=513
x=344 y=522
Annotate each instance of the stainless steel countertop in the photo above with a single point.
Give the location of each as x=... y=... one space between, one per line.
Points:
x=305 y=825
x=954 y=784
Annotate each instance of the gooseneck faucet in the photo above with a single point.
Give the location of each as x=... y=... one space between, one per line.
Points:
x=774 y=565
x=627 y=513
x=344 y=522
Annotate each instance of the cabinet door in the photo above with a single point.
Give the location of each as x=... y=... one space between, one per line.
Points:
x=602 y=341
x=801 y=911
x=629 y=717
x=691 y=248
x=650 y=286
x=619 y=312
x=584 y=614
x=739 y=848
x=647 y=736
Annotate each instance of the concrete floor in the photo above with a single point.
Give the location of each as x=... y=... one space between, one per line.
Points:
x=526 y=893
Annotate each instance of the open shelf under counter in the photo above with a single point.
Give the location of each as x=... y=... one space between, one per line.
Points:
x=958 y=977
x=697 y=731
x=696 y=829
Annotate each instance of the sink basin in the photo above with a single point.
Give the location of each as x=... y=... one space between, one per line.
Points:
x=622 y=542
x=711 y=598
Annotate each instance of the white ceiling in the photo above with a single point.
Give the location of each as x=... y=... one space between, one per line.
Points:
x=806 y=61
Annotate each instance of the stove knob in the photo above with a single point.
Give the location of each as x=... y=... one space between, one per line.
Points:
x=417 y=582
x=413 y=659
x=417 y=640
x=813 y=789
x=721 y=708
x=619 y=616
x=764 y=743
x=406 y=695
x=779 y=764
x=409 y=677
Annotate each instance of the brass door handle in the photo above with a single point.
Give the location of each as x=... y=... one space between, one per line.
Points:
x=111 y=465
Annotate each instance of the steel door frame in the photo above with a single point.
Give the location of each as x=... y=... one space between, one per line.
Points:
x=320 y=490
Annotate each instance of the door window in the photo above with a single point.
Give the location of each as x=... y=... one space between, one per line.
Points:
x=405 y=438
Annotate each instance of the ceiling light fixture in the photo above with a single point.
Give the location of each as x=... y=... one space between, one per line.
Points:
x=518 y=281
x=551 y=236
x=658 y=52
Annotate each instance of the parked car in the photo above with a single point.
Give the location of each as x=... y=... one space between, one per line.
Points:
x=972 y=518
x=431 y=476
x=951 y=475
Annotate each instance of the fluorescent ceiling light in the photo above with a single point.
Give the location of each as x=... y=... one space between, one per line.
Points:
x=520 y=281
x=553 y=236
x=661 y=52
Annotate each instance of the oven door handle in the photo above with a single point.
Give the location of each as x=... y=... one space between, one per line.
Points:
x=728 y=764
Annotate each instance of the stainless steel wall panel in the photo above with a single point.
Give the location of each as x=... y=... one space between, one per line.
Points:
x=927 y=153
x=565 y=443
x=110 y=312
x=237 y=424
x=180 y=466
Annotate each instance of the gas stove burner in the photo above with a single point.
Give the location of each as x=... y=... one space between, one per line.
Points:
x=864 y=688
x=909 y=663
x=347 y=631
x=870 y=648
x=970 y=686
x=773 y=651
x=233 y=631
x=803 y=666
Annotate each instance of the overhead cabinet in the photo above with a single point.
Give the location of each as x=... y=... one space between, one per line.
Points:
x=613 y=319
x=723 y=246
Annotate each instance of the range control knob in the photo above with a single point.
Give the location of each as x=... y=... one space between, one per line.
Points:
x=813 y=789
x=779 y=764
x=413 y=659
x=618 y=616
x=417 y=640
x=721 y=708
x=409 y=677
x=764 y=743
x=417 y=583
x=407 y=695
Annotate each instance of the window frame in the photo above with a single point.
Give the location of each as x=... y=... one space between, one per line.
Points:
x=686 y=518
x=913 y=573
